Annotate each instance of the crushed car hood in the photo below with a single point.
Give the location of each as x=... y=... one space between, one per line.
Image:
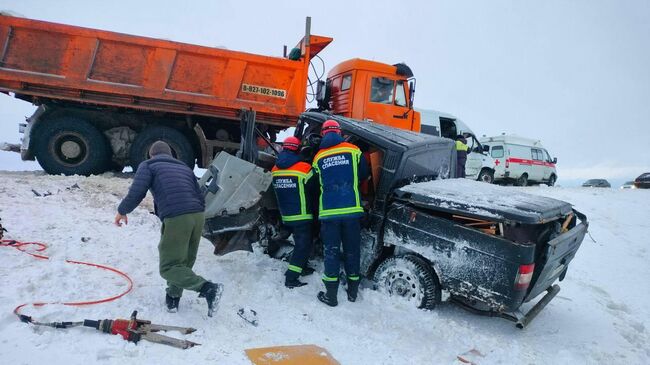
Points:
x=482 y=200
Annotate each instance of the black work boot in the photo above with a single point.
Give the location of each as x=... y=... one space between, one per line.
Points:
x=353 y=289
x=329 y=297
x=291 y=279
x=212 y=294
x=172 y=303
x=307 y=270
x=293 y=283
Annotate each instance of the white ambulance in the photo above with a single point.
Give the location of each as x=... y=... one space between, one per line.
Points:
x=479 y=165
x=522 y=161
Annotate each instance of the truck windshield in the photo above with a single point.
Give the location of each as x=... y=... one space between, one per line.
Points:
x=381 y=90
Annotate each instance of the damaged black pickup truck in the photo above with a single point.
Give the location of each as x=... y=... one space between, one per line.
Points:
x=490 y=248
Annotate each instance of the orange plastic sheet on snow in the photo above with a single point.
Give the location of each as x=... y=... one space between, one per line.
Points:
x=291 y=355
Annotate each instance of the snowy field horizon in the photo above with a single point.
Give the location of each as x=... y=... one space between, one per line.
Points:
x=10 y=161
x=601 y=315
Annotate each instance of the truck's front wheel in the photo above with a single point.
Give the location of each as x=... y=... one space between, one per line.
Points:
x=409 y=277
x=180 y=145
x=71 y=146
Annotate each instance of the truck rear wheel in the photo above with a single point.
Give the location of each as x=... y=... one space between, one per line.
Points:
x=411 y=278
x=180 y=145
x=71 y=146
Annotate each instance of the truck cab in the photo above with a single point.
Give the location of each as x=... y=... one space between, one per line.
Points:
x=373 y=91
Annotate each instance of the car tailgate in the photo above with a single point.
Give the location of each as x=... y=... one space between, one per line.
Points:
x=558 y=254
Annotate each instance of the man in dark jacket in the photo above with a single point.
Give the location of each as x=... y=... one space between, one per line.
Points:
x=461 y=155
x=179 y=204
x=340 y=167
x=293 y=183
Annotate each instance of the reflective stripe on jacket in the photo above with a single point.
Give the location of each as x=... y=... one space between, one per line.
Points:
x=290 y=187
x=338 y=170
x=460 y=146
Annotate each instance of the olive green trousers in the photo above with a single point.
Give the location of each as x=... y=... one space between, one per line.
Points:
x=179 y=243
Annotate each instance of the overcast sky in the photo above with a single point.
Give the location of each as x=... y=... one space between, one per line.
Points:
x=575 y=74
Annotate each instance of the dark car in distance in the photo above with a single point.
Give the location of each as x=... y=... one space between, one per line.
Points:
x=643 y=181
x=596 y=183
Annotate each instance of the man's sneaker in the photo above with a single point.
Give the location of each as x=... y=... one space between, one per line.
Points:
x=172 y=303
x=293 y=283
x=212 y=294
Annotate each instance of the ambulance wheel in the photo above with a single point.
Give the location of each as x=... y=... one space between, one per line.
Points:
x=523 y=180
x=486 y=176
x=551 y=180
x=409 y=277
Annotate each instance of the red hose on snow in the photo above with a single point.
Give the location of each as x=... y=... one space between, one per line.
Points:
x=20 y=246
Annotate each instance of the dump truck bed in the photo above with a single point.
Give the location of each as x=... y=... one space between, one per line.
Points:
x=54 y=61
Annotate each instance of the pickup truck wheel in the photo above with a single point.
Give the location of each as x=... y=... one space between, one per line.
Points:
x=523 y=180
x=486 y=176
x=411 y=278
x=180 y=145
x=71 y=146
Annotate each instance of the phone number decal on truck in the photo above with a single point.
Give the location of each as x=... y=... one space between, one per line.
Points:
x=266 y=91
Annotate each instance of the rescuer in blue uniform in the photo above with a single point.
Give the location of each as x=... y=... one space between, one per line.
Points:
x=293 y=183
x=340 y=167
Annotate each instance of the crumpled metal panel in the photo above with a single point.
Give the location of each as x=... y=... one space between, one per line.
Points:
x=232 y=185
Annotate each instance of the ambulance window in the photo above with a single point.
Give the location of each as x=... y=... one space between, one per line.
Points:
x=347 y=81
x=537 y=155
x=546 y=156
x=497 y=151
x=381 y=90
x=400 y=94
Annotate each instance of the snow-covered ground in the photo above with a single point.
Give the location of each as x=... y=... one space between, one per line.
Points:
x=601 y=316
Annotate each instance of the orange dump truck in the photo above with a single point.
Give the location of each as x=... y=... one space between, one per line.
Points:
x=105 y=97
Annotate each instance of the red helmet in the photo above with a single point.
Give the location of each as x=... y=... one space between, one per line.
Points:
x=330 y=126
x=291 y=144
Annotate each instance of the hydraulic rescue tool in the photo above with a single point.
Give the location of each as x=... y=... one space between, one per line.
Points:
x=134 y=330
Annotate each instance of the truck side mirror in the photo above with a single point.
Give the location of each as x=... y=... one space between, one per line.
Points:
x=411 y=93
x=323 y=94
x=486 y=148
x=554 y=159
